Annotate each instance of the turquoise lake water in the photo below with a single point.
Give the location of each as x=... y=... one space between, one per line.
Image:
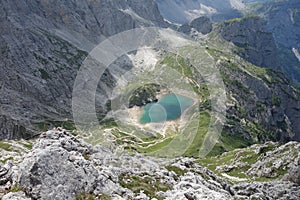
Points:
x=169 y=107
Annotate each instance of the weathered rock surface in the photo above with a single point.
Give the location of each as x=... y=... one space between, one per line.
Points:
x=59 y=166
x=294 y=173
x=267 y=190
x=15 y=196
x=269 y=161
x=277 y=161
x=42 y=46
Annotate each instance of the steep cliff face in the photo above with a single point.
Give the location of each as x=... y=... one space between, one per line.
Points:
x=282 y=18
x=42 y=46
x=263 y=105
x=261 y=97
x=255 y=44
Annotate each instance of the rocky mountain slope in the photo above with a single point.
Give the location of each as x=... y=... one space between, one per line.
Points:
x=59 y=166
x=43 y=44
x=256 y=45
x=251 y=156
x=281 y=18
x=38 y=70
x=276 y=85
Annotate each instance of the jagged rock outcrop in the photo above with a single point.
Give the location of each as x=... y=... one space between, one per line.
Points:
x=276 y=161
x=271 y=190
x=294 y=172
x=256 y=45
x=270 y=160
x=59 y=166
x=16 y=196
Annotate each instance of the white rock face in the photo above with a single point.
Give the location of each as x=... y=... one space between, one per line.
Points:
x=283 y=157
x=237 y=4
x=144 y=59
x=57 y=169
x=297 y=54
x=15 y=196
x=194 y=186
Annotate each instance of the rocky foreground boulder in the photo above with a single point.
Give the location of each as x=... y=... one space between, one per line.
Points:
x=60 y=166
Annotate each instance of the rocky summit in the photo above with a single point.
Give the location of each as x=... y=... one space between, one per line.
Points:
x=60 y=166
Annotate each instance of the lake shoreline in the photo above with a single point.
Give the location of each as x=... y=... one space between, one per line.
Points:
x=135 y=113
